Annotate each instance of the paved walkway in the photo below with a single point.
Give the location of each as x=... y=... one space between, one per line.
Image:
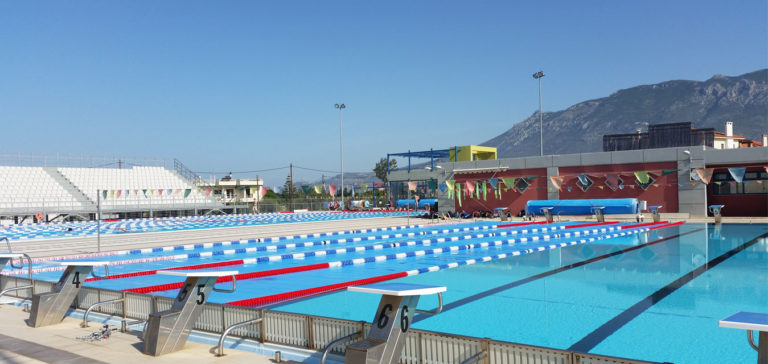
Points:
x=20 y=343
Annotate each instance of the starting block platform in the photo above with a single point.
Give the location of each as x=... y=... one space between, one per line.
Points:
x=386 y=339
x=751 y=321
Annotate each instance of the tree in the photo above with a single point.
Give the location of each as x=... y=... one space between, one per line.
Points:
x=381 y=168
x=286 y=192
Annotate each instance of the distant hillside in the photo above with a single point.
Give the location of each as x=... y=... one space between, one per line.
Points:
x=708 y=104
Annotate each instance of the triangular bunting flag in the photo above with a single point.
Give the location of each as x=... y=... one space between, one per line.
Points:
x=705 y=174
x=737 y=173
x=668 y=171
x=642 y=176
x=493 y=182
x=557 y=182
x=509 y=182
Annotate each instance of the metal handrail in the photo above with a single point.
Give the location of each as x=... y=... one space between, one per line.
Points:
x=334 y=342
x=439 y=306
x=234 y=285
x=91 y=307
x=475 y=357
x=124 y=324
x=106 y=271
x=235 y=326
x=7 y=242
x=29 y=273
x=751 y=340
x=21 y=266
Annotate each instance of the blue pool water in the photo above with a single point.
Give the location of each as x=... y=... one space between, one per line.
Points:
x=562 y=309
x=653 y=295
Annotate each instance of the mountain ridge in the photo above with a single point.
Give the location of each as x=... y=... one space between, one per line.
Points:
x=707 y=104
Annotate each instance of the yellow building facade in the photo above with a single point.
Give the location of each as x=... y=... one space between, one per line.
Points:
x=472 y=153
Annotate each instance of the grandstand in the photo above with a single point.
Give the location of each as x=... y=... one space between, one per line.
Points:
x=32 y=193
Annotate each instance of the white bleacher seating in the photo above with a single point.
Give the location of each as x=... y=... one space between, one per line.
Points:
x=135 y=180
x=31 y=190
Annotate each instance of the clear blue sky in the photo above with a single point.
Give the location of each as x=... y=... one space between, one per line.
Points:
x=251 y=85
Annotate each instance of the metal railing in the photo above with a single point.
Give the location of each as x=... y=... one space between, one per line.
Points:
x=81 y=161
x=21 y=266
x=224 y=335
x=316 y=332
x=97 y=304
x=337 y=341
x=437 y=310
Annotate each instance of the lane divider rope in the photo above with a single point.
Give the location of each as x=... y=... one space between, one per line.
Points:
x=303 y=293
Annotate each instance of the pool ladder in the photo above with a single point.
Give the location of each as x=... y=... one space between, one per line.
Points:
x=31 y=284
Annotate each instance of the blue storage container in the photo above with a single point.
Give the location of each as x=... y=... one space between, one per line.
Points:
x=583 y=207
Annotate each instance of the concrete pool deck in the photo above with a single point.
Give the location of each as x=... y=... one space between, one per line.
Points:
x=20 y=343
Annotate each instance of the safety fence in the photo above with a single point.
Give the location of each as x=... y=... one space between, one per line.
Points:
x=316 y=332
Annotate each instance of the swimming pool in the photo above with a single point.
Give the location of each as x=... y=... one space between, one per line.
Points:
x=644 y=291
x=80 y=229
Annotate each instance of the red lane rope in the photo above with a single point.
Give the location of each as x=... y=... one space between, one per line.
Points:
x=592 y=224
x=280 y=297
x=264 y=273
x=154 y=271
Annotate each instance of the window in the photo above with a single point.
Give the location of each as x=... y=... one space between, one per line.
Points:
x=619 y=184
x=584 y=182
x=754 y=182
x=522 y=184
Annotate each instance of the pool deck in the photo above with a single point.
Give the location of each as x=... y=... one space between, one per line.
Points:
x=20 y=343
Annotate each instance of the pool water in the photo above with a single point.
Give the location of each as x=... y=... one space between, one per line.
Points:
x=651 y=292
x=577 y=308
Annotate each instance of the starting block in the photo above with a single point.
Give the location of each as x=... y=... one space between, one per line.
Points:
x=167 y=331
x=751 y=322
x=386 y=339
x=49 y=308
x=655 y=212
x=716 y=211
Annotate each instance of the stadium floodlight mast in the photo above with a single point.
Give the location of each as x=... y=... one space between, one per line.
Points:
x=538 y=76
x=341 y=108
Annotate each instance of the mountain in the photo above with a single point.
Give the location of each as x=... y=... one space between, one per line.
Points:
x=708 y=104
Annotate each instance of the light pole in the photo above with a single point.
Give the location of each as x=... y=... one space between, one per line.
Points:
x=341 y=108
x=538 y=76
